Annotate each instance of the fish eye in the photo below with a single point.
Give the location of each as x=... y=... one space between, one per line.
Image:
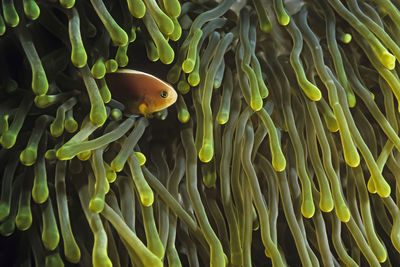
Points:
x=164 y=94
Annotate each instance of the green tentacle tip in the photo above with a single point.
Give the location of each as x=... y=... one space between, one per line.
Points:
x=194 y=79
x=279 y=162
x=57 y=128
x=166 y=53
x=98 y=69
x=206 y=153
x=121 y=57
x=176 y=34
x=313 y=92
x=28 y=156
x=116 y=114
x=351 y=99
x=39 y=83
x=50 y=239
x=173 y=74
x=96 y=205
x=10 y=15
x=331 y=123
x=8 y=139
x=83 y=156
x=40 y=193
x=352 y=158
x=222 y=117
x=67 y=3
x=326 y=203
x=7 y=228
x=31 y=9
x=78 y=56
x=382 y=187
x=183 y=116
x=43 y=101
x=346 y=38
x=388 y=60
x=147 y=198
x=104 y=91
x=98 y=115
x=119 y=37
x=63 y=153
x=308 y=208
x=256 y=103
x=117 y=165
x=136 y=8
x=141 y=158
x=4 y=210
x=111 y=65
x=371 y=186
x=284 y=19
x=165 y=24
x=23 y=221
x=183 y=87
x=173 y=8
x=188 y=65
x=132 y=36
x=111 y=176
x=50 y=154
x=71 y=125
x=151 y=50
x=382 y=254
x=73 y=253
x=343 y=213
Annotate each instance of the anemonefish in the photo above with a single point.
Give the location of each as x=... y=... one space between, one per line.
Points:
x=140 y=92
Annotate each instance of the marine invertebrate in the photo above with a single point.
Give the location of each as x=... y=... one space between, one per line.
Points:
x=286 y=111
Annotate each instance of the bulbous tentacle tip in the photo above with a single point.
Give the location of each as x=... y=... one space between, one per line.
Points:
x=206 y=153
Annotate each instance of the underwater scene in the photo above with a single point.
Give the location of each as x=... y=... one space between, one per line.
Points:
x=199 y=133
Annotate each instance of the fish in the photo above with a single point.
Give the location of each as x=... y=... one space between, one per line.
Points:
x=141 y=92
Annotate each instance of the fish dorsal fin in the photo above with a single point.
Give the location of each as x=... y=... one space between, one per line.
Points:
x=136 y=72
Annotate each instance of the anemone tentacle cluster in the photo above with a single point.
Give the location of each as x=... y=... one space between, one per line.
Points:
x=282 y=149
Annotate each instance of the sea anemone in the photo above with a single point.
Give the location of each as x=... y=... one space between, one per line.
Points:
x=286 y=112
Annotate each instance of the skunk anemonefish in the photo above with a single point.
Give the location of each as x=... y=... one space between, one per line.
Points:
x=140 y=92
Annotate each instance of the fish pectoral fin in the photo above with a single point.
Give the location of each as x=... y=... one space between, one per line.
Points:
x=143 y=109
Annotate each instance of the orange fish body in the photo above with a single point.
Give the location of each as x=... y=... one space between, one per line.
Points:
x=140 y=92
